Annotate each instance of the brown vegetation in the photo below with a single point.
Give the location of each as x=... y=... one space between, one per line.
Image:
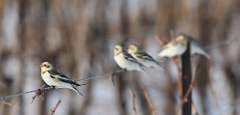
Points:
x=77 y=36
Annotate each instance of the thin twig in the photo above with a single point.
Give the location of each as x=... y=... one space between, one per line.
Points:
x=53 y=110
x=147 y=97
x=186 y=76
x=103 y=76
x=93 y=77
x=6 y=103
x=114 y=75
x=189 y=90
x=179 y=84
x=40 y=91
x=133 y=96
x=3 y=98
x=194 y=110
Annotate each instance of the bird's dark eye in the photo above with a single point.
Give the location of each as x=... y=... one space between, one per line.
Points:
x=45 y=65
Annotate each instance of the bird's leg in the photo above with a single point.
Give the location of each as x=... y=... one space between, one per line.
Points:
x=119 y=71
x=44 y=89
x=39 y=92
x=43 y=86
x=53 y=87
x=124 y=70
x=115 y=73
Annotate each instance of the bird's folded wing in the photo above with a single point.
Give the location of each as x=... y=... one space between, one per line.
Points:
x=59 y=76
x=131 y=59
x=146 y=56
x=55 y=72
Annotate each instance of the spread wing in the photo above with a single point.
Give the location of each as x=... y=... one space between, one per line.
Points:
x=60 y=76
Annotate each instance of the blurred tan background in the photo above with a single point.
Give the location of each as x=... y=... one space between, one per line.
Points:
x=77 y=36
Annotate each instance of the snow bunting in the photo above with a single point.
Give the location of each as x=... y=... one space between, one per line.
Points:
x=56 y=79
x=125 y=60
x=178 y=46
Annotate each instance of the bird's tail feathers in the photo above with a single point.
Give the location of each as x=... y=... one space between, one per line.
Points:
x=81 y=83
x=157 y=63
x=77 y=91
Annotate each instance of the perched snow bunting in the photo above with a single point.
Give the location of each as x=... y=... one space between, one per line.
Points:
x=142 y=57
x=178 y=46
x=125 y=60
x=174 y=48
x=55 y=79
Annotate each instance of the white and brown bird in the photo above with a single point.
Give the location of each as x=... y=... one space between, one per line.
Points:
x=143 y=57
x=125 y=60
x=178 y=46
x=56 y=79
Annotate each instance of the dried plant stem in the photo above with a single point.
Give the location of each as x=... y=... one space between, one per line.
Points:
x=37 y=91
x=188 y=91
x=151 y=106
x=6 y=103
x=186 y=79
x=133 y=98
x=179 y=84
x=53 y=110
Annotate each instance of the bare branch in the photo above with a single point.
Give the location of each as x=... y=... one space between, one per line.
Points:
x=133 y=97
x=151 y=106
x=41 y=90
x=109 y=75
x=53 y=110
x=6 y=103
x=3 y=98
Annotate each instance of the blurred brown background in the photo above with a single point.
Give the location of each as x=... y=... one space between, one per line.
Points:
x=77 y=36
